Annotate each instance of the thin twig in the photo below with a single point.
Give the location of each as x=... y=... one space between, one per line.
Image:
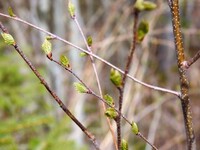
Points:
x=97 y=78
x=142 y=137
x=187 y=64
x=53 y=94
x=95 y=56
x=184 y=83
x=127 y=68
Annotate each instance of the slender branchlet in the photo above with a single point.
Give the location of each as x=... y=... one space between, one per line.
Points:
x=184 y=83
x=187 y=64
x=127 y=68
x=53 y=94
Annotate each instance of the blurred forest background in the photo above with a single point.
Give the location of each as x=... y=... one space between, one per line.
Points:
x=30 y=119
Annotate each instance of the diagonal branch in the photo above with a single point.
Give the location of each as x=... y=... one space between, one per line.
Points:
x=187 y=64
x=53 y=94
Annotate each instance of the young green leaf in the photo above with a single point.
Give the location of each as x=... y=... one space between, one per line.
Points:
x=134 y=128
x=111 y=113
x=124 y=145
x=50 y=38
x=8 y=39
x=47 y=46
x=143 y=29
x=89 y=41
x=10 y=12
x=141 y=5
x=80 y=87
x=149 y=5
x=64 y=61
x=115 y=77
x=71 y=9
x=82 y=54
x=109 y=99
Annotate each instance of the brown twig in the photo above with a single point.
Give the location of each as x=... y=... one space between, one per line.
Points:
x=127 y=68
x=142 y=137
x=53 y=94
x=184 y=83
x=187 y=64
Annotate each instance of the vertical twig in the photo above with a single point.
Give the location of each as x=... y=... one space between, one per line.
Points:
x=53 y=94
x=128 y=64
x=184 y=83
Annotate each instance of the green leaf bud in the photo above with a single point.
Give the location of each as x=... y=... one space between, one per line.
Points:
x=143 y=29
x=8 y=39
x=111 y=113
x=109 y=99
x=149 y=5
x=71 y=9
x=10 y=12
x=83 y=54
x=115 y=77
x=89 y=41
x=64 y=61
x=80 y=87
x=47 y=46
x=141 y=5
x=124 y=145
x=134 y=128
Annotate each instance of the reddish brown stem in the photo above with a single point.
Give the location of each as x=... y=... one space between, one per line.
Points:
x=121 y=89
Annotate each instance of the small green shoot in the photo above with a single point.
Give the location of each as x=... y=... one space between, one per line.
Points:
x=10 y=12
x=111 y=113
x=82 y=54
x=124 y=145
x=71 y=9
x=109 y=99
x=89 y=41
x=64 y=61
x=141 y=5
x=80 y=87
x=8 y=39
x=115 y=77
x=135 y=128
x=143 y=29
